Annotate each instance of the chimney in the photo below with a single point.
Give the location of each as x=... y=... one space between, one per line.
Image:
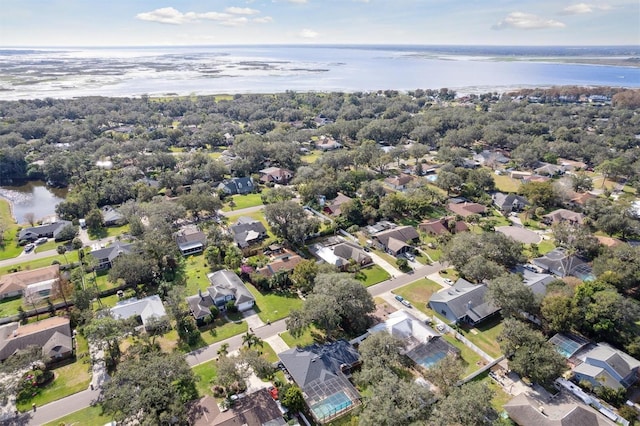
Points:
x=469 y=304
x=200 y=294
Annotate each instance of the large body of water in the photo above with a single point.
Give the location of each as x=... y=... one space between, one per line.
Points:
x=32 y=198
x=157 y=71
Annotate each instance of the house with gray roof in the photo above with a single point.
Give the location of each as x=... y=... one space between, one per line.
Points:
x=248 y=231
x=225 y=286
x=53 y=335
x=396 y=241
x=322 y=372
x=111 y=216
x=340 y=253
x=106 y=256
x=463 y=302
x=508 y=203
x=146 y=308
x=607 y=366
x=535 y=281
x=190 y=240
x=563 y=215
x=561 y=264
x=50 y=230
x=238 y=185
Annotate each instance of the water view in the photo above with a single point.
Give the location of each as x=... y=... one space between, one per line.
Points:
x=32 y=198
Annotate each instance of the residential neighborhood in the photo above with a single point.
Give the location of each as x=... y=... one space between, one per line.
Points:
x=335 y=278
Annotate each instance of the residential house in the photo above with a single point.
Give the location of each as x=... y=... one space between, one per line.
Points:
x=396 y=241
x=466 y=208
x=422 y=344
x=276 y=175
x=561 y=264
x=443 y=226
x=535 y=281
x=491 y=159
x=580 y=199
x=399 y=183
x=111 y=216
x=422 y=169
x=325 y=143
x=469 y=164
x=334 y=206
x=247 y=231
x=36 y=283
x=146 y=308
x=531 y=409
x=516 y=174
x=607 y=366
x=340 y=253
x=50 y=230
x=549 y=170
x=463 y=302
x=380 y=226
x=105 y=256
x=53 y=335
x=508 y=203
x=562 y=215
x=322 y=372
x=282 y=260
x=238 y=185
x=571 y=165
x=255 y=409
x=191 y=240
x=225 y=286
x=535 y=178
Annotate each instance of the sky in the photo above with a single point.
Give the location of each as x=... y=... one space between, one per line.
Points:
x=223 y=22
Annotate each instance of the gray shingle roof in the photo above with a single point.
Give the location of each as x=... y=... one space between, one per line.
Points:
x=226 y=282
x=465 y=299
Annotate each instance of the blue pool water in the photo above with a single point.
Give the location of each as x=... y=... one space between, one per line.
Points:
x=331 y=405
x=432 y=359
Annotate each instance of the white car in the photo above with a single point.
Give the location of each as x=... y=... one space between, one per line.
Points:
x=41 y=241
x=410 y=257
x=29 y=247
x=448 y=281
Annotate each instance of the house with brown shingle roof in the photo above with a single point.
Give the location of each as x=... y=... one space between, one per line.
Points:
x=282 y=260
x=53 y=335
x=333 y=207
x=39 y=280
x=562 y=215
x=275 y=175
x=399 y=183
x=466 y=208
x=443 y=226
x=256 y=409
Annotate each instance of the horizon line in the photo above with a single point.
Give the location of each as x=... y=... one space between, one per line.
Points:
x=32 y=46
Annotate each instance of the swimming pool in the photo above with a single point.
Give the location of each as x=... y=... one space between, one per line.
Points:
x=331 y=405
x=432 y=178
x=432 y=359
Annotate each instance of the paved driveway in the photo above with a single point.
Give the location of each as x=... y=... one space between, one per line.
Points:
x=520 y=234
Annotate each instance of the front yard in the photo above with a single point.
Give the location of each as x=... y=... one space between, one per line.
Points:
x=9 y=247
x=274 y=306
x=238 y=202
x=419 y=292
x=372 y=275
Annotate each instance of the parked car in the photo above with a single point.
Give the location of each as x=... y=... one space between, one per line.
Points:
x=410 y=257
x=29 y=247
x=406 y=303
x=41 y=241
x=448 y=281
x=399 y=298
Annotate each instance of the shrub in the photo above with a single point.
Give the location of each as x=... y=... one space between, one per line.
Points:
x=231 y=307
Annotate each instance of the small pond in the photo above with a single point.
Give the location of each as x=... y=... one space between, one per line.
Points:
x=32 y=197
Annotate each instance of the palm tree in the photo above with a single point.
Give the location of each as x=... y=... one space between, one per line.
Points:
x=249 y=339
x=63 y=251
x=224 y=350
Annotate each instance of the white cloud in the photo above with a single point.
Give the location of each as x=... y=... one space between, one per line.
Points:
x=233 y=16
x=582 y=8
x=242 y=11
x=526 y=21
x=263 y=20
x=307 y=33
x=297 y=1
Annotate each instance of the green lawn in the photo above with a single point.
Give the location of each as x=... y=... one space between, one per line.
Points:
x=9 y=247
x=40 y=263
x=485 y=336
x=506 y=184
x=69 y=379
x=86 y=416
x=242 y=202
x=222 y=330
x=372 y=275
x=268 y=352
x=500 y=397
x=546 y=246
x=49 y=245
x=311 y=157
x=196 y=270
x=419 y=292
x=10 y=307
x=472 y=359
x=274 y=306
x=309 y=337
x=205 y=374
x=111 y=231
